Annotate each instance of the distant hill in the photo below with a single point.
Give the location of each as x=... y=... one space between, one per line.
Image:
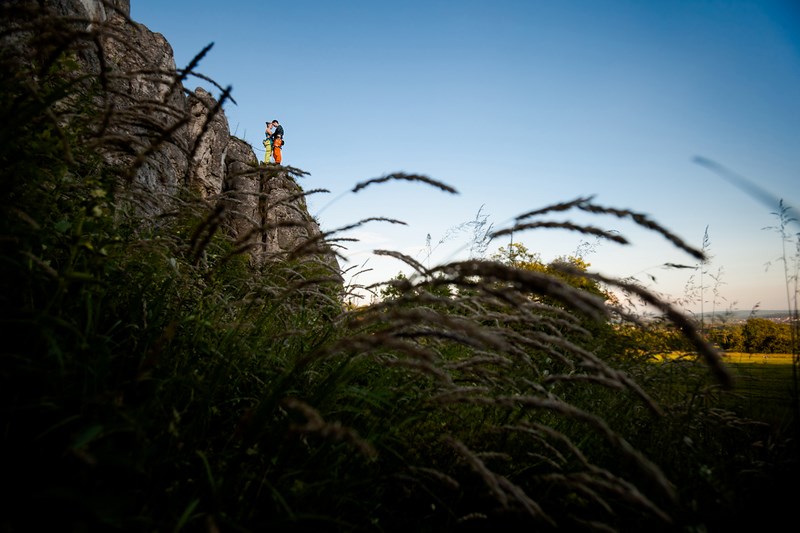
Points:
x=744 y=314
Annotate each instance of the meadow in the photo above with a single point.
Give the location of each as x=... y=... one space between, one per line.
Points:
x=764 y=386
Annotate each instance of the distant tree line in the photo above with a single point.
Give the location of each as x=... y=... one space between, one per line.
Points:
x=757 y=335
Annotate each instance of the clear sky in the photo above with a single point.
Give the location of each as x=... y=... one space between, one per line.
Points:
x=519 y=104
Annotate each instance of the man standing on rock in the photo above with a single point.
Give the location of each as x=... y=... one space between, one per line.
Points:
x=277 y=141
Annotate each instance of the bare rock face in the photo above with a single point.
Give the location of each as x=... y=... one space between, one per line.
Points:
x=101 y=11
x=210 y=134
x=95 y=10
x=287 y=218
x=241 y=193
x=148 y=99
x=175 y=143
x=266 y=208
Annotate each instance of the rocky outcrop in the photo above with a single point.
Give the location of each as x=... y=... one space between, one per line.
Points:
x=93 y=10
x=211 y=135
x=173 y=143
x=266 y=208
x=242 y=192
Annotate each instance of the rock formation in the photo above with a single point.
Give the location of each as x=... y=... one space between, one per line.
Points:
x=175 y=143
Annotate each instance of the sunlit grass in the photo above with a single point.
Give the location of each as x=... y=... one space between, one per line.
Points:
x=758 y=358
x=731 y=358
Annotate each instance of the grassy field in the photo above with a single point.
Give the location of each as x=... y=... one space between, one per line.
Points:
x=739 y=358
x=763 y=386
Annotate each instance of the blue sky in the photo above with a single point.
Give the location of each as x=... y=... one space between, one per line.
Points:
x=520 y=104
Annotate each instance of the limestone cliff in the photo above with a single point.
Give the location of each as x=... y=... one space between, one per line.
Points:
x=174 y=143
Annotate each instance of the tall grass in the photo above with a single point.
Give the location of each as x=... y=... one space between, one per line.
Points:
x=154 y=378
x=791 y=274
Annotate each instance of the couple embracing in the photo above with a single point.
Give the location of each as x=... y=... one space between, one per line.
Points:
x=273 y=142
